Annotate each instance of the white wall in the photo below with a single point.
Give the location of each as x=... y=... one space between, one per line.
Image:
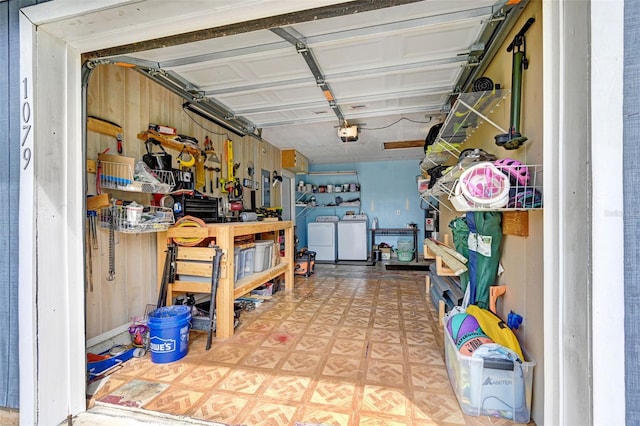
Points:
x=583 y=285
x=607 y=303
x=57 y=286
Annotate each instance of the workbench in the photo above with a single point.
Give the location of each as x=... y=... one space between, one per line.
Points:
x=412 y=232
x=223 y=235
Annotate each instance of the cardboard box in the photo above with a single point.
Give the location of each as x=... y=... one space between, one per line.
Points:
x=386 y=253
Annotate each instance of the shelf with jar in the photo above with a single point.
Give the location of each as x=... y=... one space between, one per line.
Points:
x=326 y=199
x=134 y=218
x=325 y=190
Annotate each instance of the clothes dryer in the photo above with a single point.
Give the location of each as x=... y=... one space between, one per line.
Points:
x=352 y=237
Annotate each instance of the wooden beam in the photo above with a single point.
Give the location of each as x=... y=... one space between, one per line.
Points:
x=404 y=144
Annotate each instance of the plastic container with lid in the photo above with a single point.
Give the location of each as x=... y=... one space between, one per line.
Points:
x=248 y=261
x=405 y=245
x=262 y=259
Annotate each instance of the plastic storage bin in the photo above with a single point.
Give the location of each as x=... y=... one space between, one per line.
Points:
x=262 y=260
x=248 y=260
x=237 y=265
x=405 y=245
x=490 y=387
x=405 y=255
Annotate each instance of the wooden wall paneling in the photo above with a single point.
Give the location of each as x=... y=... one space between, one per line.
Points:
x=140 y=272
x=93 y=292
x=111 y=101
x=109 y=94
x=114 y=309
x=131 y=100
x=136 y=112
x=271 y=162
x=93 y=316
x=97 y=142
x=174 y=114
x=263 y=150
x=93 y=139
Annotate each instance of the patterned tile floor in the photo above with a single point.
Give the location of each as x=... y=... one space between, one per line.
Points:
x=351 y=345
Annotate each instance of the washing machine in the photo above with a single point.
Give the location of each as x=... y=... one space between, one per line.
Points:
x=322 y=238
x=352 y=237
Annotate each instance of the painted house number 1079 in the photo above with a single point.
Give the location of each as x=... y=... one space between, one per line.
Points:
x=25 y=116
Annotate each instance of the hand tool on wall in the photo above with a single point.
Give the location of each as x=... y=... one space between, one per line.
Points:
x=89 y=257
x=513 y=139
x=201 y=177
x=228 y=158
x=211 y=162
x=106 y=127
x=215 y=277
x=210 y=170
x=217 y=170
x=92 y=215
x=99 y=173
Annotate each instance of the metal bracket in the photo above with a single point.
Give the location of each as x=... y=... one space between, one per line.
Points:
x=292 y=36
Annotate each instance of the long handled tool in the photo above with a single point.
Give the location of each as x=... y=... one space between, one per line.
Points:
x=106 y=127
x=513 y=139
x=168 y=275
x=215 y=277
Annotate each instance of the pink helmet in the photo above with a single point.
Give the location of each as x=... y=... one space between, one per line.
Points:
x=514 y=169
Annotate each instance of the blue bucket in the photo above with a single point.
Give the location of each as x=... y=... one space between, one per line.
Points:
x=169 y=333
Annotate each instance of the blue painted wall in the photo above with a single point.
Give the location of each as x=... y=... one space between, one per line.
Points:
x=386 y=188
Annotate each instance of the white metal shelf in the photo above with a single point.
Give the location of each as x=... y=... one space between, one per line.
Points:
x=331 y=173
x=120 y=176
x=152 y=219
x=468 y=112
x=447 y=190
x=302 y=197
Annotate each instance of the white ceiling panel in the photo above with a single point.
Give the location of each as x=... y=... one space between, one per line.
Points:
x=293 y=116
x=292 y=98
x=101 y=22
x=231 y=72
x=199 y=50
x=390 y=70
x=423 y=82
x=397 y=49
x=439 y=10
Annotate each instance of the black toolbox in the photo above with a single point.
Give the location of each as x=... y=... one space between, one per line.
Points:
x=197 y=205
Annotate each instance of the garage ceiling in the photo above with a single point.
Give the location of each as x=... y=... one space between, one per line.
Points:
x=387 y=67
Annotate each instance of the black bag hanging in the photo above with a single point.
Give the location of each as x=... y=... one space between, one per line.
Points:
x=432 y=135
x=156 y=160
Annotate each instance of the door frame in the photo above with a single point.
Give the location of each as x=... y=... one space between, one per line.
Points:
x=52 y=344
